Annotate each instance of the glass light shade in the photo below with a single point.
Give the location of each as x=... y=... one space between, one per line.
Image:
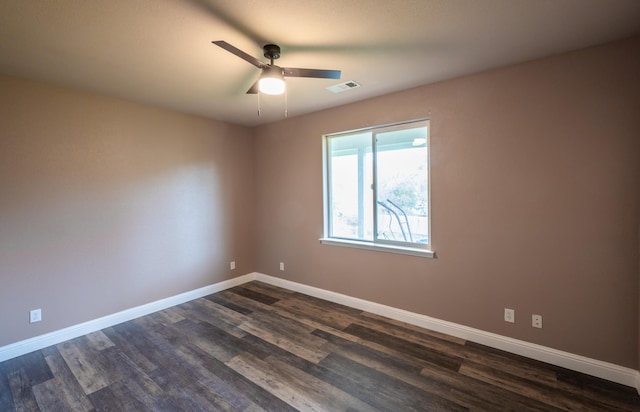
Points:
x=271 y=81
x=271 y=85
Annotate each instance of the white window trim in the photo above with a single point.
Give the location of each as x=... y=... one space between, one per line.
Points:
x=426 y=252
x=380 y=247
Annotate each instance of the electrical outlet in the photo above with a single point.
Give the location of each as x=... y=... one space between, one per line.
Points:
x=536 y=321
x=35 y=315
x=232 y=265
x=509 y=315
x=282 y=266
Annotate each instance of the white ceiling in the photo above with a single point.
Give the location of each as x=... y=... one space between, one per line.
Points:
x=159 y=52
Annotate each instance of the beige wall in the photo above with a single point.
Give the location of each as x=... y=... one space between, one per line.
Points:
x=106 y=205
x=536 y=202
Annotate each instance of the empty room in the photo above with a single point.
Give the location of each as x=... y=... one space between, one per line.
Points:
x=412 y=205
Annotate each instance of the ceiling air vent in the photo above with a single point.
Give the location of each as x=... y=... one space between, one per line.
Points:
x=343 y=87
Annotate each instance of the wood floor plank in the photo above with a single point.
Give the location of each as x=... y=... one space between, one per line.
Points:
x=543 y=394
x=161 y=350
x=99 y=341
x=169 y=369
x=6 y=397
x=207 y=369
x=319 y=313
x=116 y=397
x=181 y=369
x=445 y=360
x=296 y=389
x=312 y=323
x=22 y=391
x=381 y=390
x=86 y=364
x=211 y=312
x=232 y=386
x=127 y=346
x=167 y=316
x=368 y=319
x=588 y=387
x=383 y=362
x=212 y=340
x=532 y=372
x=441 y=382
x=197 y=397
x=321 y=393
x=267 y=289
x=335 y=378
x=225 y=389
x=241 y=304
x=36 y=367
x=253 y=295
x=290 y=336
x=431 y=340
x=331 y=306
x=459 y=348
x=222 y=313
x=223 y=301
x=455 y=351
x=48 y=395
x=244 y=302
x=64 y=386
x=20 y=375
x=121 y=366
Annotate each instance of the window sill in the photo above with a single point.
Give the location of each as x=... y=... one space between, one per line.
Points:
x=426 y=253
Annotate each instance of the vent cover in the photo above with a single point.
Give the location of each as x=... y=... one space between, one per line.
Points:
x=343 y=87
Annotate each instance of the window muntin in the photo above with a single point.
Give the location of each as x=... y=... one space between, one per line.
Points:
x=377 y=185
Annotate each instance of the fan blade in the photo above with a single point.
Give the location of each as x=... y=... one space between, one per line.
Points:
x=239 y=53
x=254 y=88
x=317 y=73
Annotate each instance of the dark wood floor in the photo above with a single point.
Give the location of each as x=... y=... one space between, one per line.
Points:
x=261 y=348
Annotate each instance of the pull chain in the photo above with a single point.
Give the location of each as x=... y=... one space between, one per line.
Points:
x=286 y=104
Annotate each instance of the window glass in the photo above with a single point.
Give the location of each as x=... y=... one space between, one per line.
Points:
x=377 y=185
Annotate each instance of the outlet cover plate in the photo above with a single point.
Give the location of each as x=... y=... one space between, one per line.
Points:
x=536 y=321
x=509 y=315
x=35 y=315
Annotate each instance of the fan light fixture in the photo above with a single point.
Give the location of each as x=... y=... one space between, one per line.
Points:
x=271 y=81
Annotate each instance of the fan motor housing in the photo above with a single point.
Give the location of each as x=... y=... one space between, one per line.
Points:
x=271 y=51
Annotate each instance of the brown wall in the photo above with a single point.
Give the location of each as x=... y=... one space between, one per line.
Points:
x=106 y=205
x=536 y=202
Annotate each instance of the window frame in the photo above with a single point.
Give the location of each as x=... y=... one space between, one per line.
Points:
x=377 y=244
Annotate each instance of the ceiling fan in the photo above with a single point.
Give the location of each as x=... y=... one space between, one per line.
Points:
x=271 y=79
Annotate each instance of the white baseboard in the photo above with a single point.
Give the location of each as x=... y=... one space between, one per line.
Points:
x=593 y=367
x=55 y=337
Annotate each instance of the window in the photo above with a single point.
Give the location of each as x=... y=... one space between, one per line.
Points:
x=377 y=188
